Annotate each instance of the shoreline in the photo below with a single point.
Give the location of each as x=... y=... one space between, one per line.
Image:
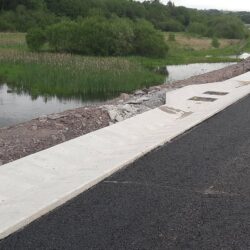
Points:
x=41 y=133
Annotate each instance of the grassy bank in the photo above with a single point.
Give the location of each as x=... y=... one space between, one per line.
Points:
x=68 y=76
x=188 y=49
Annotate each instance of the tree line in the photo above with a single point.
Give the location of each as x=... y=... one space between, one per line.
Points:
x=21 y=15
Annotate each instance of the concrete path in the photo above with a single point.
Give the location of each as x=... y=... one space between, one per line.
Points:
x=34 y=185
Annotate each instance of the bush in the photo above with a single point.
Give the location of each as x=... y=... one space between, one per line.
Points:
x=35 y=39
x=171 y=25
x=92 y=36
x=215 y=42
x=122 y=36
x=227 y=27
x=6 y=26
x=197 y=28
x=148 y=40
x=107 y=37
x=61 y=35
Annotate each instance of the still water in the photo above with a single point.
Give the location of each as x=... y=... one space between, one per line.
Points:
x=180 y=72
x=16 y=108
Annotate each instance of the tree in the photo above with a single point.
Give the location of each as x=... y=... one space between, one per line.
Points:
x=197 y=28
x=149 y=41
x=226 y=26
x=215 y=42
x=35 y=39
x=61 y=36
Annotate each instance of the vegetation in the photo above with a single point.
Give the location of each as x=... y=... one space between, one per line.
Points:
x=21 y=15
x=35 y=39
x=171 y=37
x=102 y=37
x=190 y=49
x=215 y=42
x=100 y=48
x=75 y=76
x=67 y=76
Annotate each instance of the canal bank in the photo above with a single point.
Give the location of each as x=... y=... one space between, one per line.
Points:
x=38 y=134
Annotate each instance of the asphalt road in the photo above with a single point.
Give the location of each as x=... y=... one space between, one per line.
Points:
x=193 y=193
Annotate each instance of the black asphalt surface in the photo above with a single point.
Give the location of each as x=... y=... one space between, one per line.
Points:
x=193 y=193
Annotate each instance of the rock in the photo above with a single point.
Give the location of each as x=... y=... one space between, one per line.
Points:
x=83 y=123
x=56 y=116
x=139 y=92
x=63 y=138
x=78 y=116
x=112 y=114
x=143 y=99
x=128 y=108
x=157 y=88
x=119 y=118
x=43 y=118
x=138 y=101
x=1 y=162
x=54 y=138
x=59 y=125
x=9 y=91
x=34 y=127
x=124 y=96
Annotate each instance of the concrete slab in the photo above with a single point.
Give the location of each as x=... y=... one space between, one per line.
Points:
x=34 y=185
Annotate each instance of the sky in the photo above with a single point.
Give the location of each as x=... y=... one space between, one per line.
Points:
x=242 y=5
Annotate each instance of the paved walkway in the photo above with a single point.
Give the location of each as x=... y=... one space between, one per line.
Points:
x=192 y=193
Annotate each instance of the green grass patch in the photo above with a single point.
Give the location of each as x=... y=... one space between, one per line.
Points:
x=185 y=55
x=13 y=41
x=67 y=76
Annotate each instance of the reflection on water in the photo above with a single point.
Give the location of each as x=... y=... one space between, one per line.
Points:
x=180 y=72
x=16 y=108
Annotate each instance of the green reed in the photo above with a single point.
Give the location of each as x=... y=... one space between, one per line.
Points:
x=71 y=76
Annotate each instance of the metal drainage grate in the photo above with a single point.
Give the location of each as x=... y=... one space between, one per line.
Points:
x=215 y=93
x=202 y=99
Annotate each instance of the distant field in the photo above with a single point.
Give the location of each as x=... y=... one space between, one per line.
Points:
x=203 y=43
x=12 y=40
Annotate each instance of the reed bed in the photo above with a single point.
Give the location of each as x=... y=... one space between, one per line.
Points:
x=70 y=76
